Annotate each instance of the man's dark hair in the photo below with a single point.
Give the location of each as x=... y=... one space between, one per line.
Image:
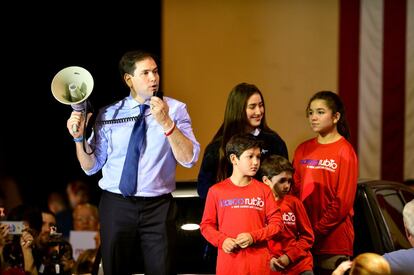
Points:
x=129 y=59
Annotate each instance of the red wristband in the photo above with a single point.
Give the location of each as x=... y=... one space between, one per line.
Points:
x=170 y=131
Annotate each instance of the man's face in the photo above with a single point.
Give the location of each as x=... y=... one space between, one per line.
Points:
x=145 y=79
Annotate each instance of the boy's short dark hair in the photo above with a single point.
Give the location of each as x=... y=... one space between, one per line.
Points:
x=240 y=143
x=274 y=165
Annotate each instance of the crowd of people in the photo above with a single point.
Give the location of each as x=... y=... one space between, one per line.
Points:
x=263 y=214
x=39 y=245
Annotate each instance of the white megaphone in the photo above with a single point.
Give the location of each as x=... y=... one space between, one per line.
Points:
x=72 y=86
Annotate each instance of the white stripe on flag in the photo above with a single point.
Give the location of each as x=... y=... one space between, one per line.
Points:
x=370 y=89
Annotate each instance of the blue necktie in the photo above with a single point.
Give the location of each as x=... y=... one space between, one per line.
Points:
x=129 y=177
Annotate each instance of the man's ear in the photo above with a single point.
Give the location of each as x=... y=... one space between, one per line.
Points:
x=409 y=236
x=127 y=79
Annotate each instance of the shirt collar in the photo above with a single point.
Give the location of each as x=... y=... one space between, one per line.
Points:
x=256 y=132
x=131 y=102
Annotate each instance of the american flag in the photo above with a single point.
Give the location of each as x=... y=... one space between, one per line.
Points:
x=376 y=82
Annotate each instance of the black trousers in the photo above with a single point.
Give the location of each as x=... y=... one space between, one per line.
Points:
x=135 y=228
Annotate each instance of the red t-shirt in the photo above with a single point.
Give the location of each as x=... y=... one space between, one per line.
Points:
x=230 y=210
x=297 y=238
x=326 y=180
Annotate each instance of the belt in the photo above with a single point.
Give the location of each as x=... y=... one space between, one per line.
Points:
x=138 y=198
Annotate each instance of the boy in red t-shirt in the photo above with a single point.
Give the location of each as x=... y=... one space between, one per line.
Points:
x=290 y=251
x=241 y=214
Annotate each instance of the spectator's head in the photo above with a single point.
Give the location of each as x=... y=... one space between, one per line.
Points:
x=78 y=192
x=56 y=202
x=370 y=264
x=10 y=196
x=85 y=217
x=48 y=221
x=408 y=217
x=30 y=215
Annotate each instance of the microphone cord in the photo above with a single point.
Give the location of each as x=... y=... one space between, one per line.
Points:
x=85 y=126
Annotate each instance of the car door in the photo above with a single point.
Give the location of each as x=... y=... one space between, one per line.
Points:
x=378 y=219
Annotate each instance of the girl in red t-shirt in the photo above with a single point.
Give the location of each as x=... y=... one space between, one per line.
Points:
x=326 y=172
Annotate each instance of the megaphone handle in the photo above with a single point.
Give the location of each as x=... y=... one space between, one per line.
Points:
x=75 y=128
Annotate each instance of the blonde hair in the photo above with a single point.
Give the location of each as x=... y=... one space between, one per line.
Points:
x=370 y=264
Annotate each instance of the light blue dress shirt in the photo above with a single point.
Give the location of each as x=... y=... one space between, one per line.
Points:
x=157 y=165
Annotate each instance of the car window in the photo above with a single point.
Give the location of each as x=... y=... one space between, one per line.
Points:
x=408 y=196
x=391 y=204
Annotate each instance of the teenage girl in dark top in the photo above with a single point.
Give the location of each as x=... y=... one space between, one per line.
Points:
x=245 y=113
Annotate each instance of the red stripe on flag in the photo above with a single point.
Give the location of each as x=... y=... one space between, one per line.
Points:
x=348 y=86
x=393 y=106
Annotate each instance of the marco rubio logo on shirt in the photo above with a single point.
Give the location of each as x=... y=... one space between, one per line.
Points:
x=327 y=164
x=256 y=203
x=289 y=218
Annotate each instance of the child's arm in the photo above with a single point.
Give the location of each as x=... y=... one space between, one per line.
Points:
x=340 y=207
x=209 y=224
x=274 y=223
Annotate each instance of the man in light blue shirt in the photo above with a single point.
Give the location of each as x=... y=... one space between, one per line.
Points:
x=143 y=223
x=402 y=261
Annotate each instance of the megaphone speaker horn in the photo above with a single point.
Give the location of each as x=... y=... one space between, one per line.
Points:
x=72 y=85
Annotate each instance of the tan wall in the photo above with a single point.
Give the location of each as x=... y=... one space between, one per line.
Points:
x=287 y=48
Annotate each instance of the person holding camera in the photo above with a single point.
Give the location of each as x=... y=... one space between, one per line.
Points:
x=18 y=252
x=137 y=143
x=54 y=252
